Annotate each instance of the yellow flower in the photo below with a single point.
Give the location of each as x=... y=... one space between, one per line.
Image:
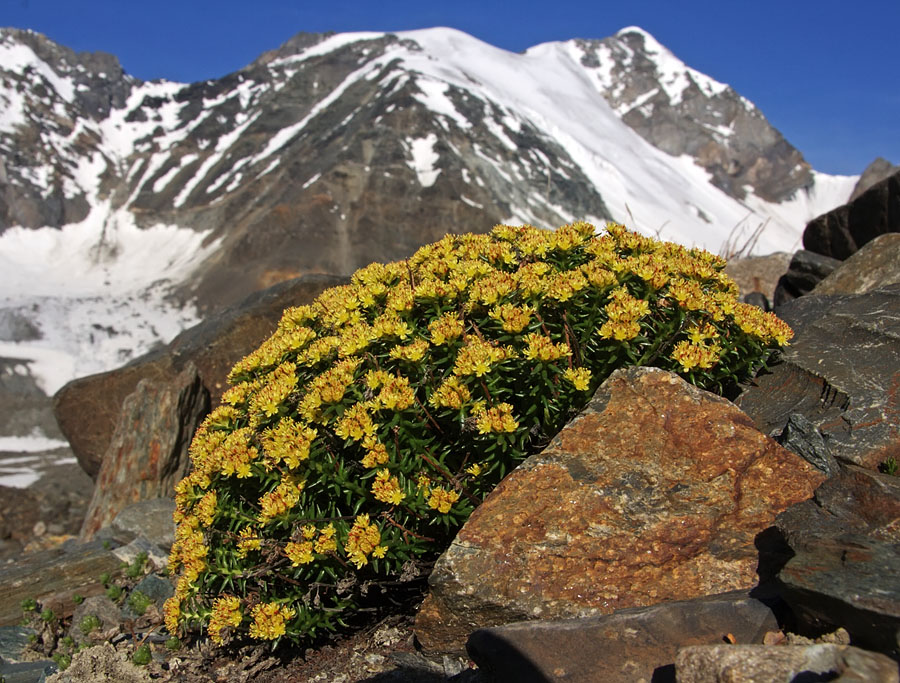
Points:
x=226 y=612
x=690 y=355
x=326 y=542
x=206 y=508
x=249 y=540
x=299 y=553
x=442 y=500
x=362 y=539
x=356 y=423
x=620 y=330
x=172 y=614
x=376 y=454
x=452 y=393
x=542 y=348
x=283 y=498
x=445 y=329
x=288 y=441
x=396 y=394
x=269 y=620
x=497 y=419
x=268 y=399
x=477 y=357
x=580 y=378
x=512 y=318
x=475 y=469
x=387 y=488
x=411 y=352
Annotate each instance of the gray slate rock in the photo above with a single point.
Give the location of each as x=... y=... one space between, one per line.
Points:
x=846 y=545
x=27 y=672
x=629 y=645
x=841 y=371
x=807 y=269
x=151 y=519
x=874 y=266
x=842 y=231
x=802 y=437
x=756 y=663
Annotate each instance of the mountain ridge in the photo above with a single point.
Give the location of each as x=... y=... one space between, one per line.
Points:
x=332 y=151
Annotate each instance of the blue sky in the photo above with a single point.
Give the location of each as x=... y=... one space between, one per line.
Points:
x=825 y=73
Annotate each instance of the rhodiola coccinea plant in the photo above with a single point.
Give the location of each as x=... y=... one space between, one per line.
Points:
x=359 y=437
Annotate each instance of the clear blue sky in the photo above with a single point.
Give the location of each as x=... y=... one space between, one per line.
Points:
x=826 y=73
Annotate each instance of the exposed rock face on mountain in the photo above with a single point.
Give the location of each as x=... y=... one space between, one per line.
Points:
x=874 y=173
x=336 y=150
x=682 y=111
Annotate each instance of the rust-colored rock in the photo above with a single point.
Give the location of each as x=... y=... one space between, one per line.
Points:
x=148 y=452
x=656 y=491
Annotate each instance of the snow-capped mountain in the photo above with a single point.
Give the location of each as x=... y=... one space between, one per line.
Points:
x=125 y=204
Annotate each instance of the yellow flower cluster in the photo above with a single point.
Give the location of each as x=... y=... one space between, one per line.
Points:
x=376 y=453
x=452 y=393
x=477 y=357
x=441 y=499
x=282 y=499
x=302 y=552
x=498 y=419
x=269 y=620
x=579 y=377
x=542 y=348
x=624 y=311
x=445 y=328
x=362 y=541
x=512 y=318
x=764 y=325
x=328 y=388
x=412 y=353
x=288 y=441
x=691 y=355
x=248 y=541
x=356 y=423
x=226 y=612
x=387 y=488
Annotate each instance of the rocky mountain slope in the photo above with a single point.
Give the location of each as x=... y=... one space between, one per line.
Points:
x=129 y=208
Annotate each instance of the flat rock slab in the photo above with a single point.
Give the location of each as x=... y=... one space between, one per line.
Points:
x=846 y=545
x=656 y=491
x=755 y=663
x=53 y=577
x=630 y=645
x=874 y=266
x=841 y=371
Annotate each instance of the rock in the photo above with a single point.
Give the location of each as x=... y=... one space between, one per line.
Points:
x=801 y=436
x=156 y=588
x=841 y=371
x=656 y=491
x=757 y=299
x=101 y=663
x=88 y=408
x=148 y=454
x=874 y=266
x=874 y=173
x=758 y=273
x=752 y=663
x=842 y=231
x=13 y=641
x=53 y=577
x=846 y=550
x=27 y=672
x=128 y=553
x=100 y=606
x=806 y=270
x=151 y=519
x=629 y=645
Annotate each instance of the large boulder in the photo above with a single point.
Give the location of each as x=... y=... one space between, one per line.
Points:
x=148 y=453
x=842 y=231
x=846 y=550
x=806 y=270
x=88 y=408
x=874 y=173
x=656 y=491
x=841 y=372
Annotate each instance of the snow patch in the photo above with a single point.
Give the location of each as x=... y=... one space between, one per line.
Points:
x=424 y=159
